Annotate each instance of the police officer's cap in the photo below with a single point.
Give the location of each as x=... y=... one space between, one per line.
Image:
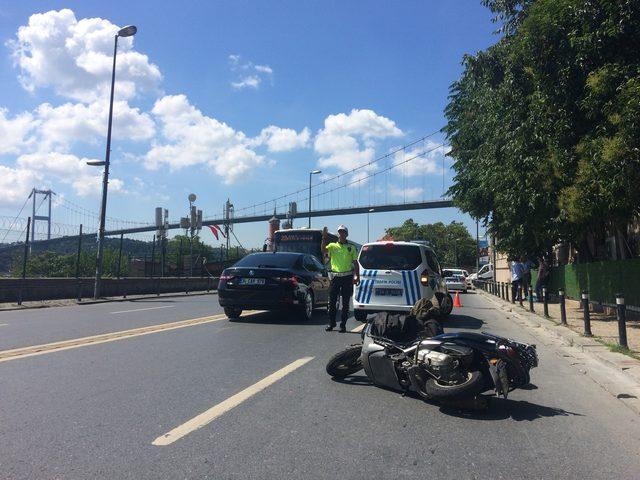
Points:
x=346 y=230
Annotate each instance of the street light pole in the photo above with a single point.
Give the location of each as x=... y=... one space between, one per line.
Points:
x=313 y=172
x=370 y=210
x=123 y=32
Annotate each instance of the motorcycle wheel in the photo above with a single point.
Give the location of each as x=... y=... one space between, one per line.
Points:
x=472 y=385
x=345 y=362
x=448 y=305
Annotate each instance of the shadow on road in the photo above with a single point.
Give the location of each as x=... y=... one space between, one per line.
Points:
x=503 y=409
x=462 y=321
x=354 y=380
x=284 y=318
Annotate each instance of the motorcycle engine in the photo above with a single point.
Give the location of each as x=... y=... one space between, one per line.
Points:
x=446 y=362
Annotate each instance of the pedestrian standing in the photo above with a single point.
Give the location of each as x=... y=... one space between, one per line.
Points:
x=516 y=278
x=543 y=278
x=345 y=274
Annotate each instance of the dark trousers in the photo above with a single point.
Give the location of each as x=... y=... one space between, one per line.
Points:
x=540 y=283
x=342 y=286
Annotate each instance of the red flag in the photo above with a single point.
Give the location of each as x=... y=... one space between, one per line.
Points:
x=221 y=231
x=214 y=230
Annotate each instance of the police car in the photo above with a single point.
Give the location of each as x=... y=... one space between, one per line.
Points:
x=395 y=275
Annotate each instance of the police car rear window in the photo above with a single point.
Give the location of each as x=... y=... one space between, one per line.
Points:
x=390 y=257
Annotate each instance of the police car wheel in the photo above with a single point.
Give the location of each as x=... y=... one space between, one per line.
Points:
x=360 y=315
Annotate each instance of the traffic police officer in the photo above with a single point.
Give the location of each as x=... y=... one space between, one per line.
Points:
x=346 y=273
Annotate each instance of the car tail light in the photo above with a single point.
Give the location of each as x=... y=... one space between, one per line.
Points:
x=424 y=278
x=224 y=278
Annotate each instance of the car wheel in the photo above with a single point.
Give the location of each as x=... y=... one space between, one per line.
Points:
x=360 y=315
x=232 y=313
x=306 y=309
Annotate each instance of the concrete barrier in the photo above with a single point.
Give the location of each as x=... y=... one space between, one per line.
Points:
x=60 y=288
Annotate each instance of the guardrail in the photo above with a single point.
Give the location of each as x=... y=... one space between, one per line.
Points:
x=501 y=290
x=19 y=289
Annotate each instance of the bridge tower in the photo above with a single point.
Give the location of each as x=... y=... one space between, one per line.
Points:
x=47 y=196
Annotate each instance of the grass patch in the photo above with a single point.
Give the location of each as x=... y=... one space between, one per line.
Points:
x=616 y=348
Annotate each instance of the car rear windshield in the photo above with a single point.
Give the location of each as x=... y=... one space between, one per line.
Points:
x=390 y=257
x=268 y=260
x=452 y=273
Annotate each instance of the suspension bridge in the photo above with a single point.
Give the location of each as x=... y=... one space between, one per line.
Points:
x=395 y=181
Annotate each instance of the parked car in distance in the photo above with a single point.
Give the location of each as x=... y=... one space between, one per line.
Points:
x=274 y=281
x=455 y=281
x=485 y=273
x=460 y=272
x=395 y=275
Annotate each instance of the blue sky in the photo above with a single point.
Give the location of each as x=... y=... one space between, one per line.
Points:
x=230 y=99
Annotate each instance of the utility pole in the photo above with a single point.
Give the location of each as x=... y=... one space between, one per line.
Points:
x=192 y=225
x=127 y=31
x=228 y=217
x=477 y=246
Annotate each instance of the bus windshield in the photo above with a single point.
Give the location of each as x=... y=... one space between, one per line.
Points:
x=304 y=241
x=299 y=241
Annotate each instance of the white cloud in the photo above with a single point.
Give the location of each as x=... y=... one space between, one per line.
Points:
x=408 y=193
x=76 y=122
x=15 y=185
x=74 y=58
x=14 y=132
x=264 y=69
x=195 y=139
x=428 y=160
x=68 y=169
x=251 y=76
x=282 y=139
x=340 y=143
x=250 y=81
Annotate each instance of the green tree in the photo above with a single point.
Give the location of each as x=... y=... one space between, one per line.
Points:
x=544 y=124
x=52 y=264
x=452 y=243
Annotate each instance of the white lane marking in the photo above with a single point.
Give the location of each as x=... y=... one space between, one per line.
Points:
x=34 y=350
x=3 y=324
x=358 y=329
x=141 y=309
x=214 y=412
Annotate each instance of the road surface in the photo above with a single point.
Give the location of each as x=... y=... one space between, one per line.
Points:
x=250 y=399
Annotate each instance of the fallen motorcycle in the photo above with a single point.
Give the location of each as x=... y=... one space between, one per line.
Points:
x=448 y=366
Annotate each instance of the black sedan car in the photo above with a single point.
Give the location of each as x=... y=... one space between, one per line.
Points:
x=274 y=281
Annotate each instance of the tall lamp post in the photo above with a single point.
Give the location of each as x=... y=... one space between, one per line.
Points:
x=127 y=31
x=370 y=210
x=313 y=172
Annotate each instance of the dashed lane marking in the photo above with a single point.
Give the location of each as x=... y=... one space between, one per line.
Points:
x=214 y=412
x=32 y=351
x=142 y=309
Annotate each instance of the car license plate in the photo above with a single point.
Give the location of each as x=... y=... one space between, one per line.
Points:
x=252 y=281
x=389 y=292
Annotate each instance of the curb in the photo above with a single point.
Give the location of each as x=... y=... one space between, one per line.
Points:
x=626 y=367
x=107 y=300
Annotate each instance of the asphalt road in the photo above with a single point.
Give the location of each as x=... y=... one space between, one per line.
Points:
x=96 y=411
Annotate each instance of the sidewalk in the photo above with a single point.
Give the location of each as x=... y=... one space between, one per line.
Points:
x=617 y=373
x=603 y=326
x=90 y=301
x=573 y=333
